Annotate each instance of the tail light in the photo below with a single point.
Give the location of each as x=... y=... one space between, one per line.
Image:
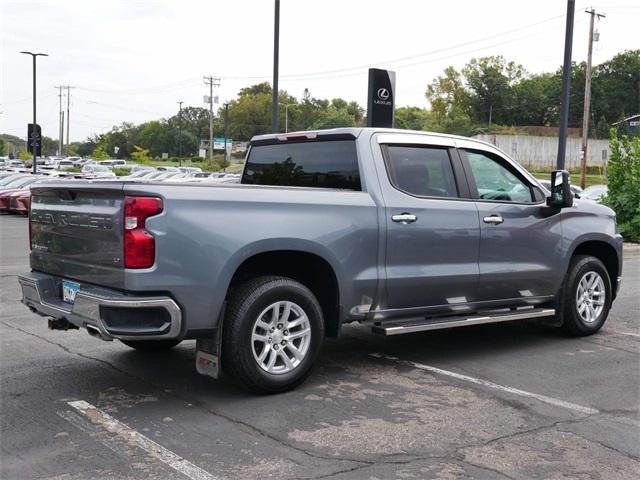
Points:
x=139 y=245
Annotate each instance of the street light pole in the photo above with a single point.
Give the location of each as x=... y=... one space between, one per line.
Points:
x=180 y=132
x=286 y=115
x=34 y=134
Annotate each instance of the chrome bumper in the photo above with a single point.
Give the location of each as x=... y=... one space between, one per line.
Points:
x=114 y=314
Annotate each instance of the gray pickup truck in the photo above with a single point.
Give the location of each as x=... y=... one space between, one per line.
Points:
x=405 y=231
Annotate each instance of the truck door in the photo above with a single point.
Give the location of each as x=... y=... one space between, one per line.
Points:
x=520 y=248
x=432 y=231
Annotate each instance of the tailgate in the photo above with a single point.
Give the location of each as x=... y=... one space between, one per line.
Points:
x=76 y=231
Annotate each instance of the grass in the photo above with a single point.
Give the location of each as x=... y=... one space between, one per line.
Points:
x=590 y=179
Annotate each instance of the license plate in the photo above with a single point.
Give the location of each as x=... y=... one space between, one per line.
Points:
x=69 y=290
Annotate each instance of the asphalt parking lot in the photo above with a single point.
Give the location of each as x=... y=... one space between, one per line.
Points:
x=514 y=401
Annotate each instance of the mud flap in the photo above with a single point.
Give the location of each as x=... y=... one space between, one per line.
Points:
x=207 y=357
x=209 y=351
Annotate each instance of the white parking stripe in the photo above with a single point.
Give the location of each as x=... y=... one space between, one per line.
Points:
x=522 y=393
x=176 y=462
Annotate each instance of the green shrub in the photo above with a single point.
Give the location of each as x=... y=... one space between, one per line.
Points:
x=121 y=172
x=624 y=184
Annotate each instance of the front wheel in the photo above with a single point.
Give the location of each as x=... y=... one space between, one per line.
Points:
x=586 y=296
x=272 y=335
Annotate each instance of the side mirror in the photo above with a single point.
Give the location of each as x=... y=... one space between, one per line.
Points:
x=561 y=194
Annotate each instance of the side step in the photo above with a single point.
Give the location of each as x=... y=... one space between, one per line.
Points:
x=422 y=324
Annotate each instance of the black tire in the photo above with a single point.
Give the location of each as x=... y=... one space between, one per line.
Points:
x=586 y=296
x=151 y=345
x=272 y=335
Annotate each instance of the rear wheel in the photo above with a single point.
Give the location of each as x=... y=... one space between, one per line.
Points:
x=272 y=335
x=151 y=345
x=586 y=296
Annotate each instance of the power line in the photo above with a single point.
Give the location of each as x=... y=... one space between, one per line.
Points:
x=148 y=90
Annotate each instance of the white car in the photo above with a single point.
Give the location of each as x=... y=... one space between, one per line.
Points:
x=98 y=171
x=595 y=192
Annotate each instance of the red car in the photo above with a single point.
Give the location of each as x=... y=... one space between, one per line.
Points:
x=20 y=201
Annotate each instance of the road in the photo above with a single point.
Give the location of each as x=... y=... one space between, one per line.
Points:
x=507 y=401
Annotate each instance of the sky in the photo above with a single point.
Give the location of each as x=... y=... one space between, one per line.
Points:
x=134 y=60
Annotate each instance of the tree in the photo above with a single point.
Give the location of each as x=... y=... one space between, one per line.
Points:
x=624 y=184
x=140 y=155
x=194 y=120
x=2 y=146
x=535 y=102
x=334 y=118
x=124 y=136
x=156 y=137
x=90 y=145
x=620 y=81
x=263 y=88
x=411 y=118
x=250 y=115
x=49 y=146
x=490 y=80
x=100 y=154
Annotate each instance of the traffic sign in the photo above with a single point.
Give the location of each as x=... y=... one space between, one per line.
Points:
x=218 y=143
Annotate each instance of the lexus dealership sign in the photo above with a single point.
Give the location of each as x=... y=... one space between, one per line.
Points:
x=381 y=103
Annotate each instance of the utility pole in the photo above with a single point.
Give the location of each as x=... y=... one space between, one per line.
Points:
x=61 y=126
x=211 y=81
x=68 y=87
x=180 y=132
x=587 y=100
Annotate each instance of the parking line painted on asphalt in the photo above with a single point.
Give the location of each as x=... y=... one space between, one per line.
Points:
x=130 y=435
x=466 y=378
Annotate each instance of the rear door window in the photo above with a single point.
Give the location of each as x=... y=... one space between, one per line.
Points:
x=423 y=171
x=320 y=164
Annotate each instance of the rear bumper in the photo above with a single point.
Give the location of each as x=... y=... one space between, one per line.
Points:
x=114 y=314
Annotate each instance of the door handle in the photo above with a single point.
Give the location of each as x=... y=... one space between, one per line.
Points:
x=405 y=218
x=493 y=219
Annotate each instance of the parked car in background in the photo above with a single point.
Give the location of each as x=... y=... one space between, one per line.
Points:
x=140 y=174
x=9 y=201
x=168 y=169
x=577 y=191
x=209 y=175
x=5 y=199
x=20 y=202
x=8 y=177
x=114 y=163
x=138 y=167
x=98 y=171
x=169 y=175
x=63 y=164
x=20 y=183
x=8 y=164
x=595 y=192
x=190 y=169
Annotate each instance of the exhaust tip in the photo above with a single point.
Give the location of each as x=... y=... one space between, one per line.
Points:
x=95 y=332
